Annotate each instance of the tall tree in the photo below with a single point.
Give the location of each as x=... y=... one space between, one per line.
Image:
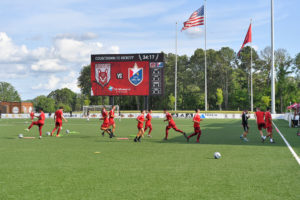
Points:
x=44 y=102
x=8 y=92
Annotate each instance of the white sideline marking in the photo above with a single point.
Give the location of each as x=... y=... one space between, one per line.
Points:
x=288 y=144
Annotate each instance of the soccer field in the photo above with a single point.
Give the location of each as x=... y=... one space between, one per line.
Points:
x=68 y=167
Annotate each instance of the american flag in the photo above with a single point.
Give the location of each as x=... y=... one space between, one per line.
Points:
x=196 y=19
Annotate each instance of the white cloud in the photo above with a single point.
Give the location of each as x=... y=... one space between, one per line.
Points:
x=10 y=52
x=52 y=84
x=48 y=65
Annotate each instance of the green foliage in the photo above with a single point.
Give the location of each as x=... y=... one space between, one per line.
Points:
x=8 y=92
x=265 y=102
x=64 y=96
x=219 y=95
x=44 y=102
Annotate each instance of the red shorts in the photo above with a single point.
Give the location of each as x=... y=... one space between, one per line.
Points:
x=260 y=126
x=171 y=126
x=38 y=123
x=31 y=118
x=148 y=126
x=111 y=122
x=104 y=125
x=269 y=129
x=140 y=126
x=58 y=124
x=197 y=130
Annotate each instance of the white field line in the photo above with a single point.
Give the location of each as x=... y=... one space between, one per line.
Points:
x=288 y=144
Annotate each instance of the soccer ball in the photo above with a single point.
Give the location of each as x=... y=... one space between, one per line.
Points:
x=217 y=155
x=48 y=133
x=20 y=136
x=67 y=131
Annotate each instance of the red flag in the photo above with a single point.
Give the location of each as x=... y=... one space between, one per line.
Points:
x=248 y=39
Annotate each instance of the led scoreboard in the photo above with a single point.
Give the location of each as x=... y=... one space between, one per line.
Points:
x=127 y=74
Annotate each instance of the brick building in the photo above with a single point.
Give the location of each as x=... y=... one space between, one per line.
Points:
x=16 y=107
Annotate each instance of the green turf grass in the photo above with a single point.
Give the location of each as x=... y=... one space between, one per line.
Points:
x=68 y=168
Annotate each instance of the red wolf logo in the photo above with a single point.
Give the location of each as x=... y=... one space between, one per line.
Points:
x=102 y=74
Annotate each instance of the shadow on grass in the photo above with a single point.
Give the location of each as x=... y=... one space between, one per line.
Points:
x=225 y=133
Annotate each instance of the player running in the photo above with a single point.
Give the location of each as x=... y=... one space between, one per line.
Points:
x=260 y=122
x=58 y=117
x=31 y=116
x=111 y=120
x=148 y=122
x=268 y=120
x=171 y=124
x=105 y=124
x=197 y=130
x=140 y=126
x=245 y=125
x=40 y=122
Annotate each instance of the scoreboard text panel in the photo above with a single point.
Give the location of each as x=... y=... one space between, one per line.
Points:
x=127 y=74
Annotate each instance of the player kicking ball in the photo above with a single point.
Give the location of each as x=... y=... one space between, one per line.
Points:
x=148 y=122
x=260 y=122
x=111 y=120
x=245 y=125
x=105 y=124
x=140 y=126
x=58 y=117
x=171 y=124
x=40 y=122
x=268 y=120
x=197 y=130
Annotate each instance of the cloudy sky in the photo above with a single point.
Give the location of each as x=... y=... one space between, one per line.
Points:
x=44 y=44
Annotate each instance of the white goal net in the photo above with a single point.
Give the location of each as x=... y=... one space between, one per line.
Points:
x=96 y=110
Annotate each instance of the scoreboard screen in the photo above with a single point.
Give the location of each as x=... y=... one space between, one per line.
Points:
x=127 y=74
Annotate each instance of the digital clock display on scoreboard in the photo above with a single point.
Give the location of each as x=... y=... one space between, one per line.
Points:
x=127 y=74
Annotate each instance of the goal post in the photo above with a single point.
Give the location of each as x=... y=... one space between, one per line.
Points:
x=96 y=109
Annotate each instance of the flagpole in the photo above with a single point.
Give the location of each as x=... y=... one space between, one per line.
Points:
x=175 y=106
x=205 y=56
x=251 y=82
x=272 y=60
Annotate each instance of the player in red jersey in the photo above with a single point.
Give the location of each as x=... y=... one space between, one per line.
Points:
x=111 y=119
x=58 y=117
x=171 y=124
x=260 y=122
x=32 y=115
x=140 y=126
x=268 y=120
x=148 y=122
x=197 y=130
x=40 y=122
x=105 y=124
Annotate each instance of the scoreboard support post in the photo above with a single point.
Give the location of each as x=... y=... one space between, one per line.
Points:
x=111 y=100
x=146 y=102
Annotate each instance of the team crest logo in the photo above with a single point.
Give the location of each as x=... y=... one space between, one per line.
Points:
x=102 y=74
x=135 y=75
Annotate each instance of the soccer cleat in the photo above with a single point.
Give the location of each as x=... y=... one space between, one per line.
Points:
x=263 y=138
x=241 y=137
x=198 y=141
x=272 y=141
x=40 y=137
x=187 y=139
x=111 y=135
x=103 y=133
x=57 y=136
x=184 y=134
x=149 y=136
x=245 y=140
x=135 y=139
x=139 y=139
x=26 y=129
x=165 y=138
